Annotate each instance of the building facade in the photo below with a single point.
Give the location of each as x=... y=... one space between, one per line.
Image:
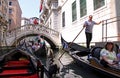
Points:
x=68 y=16
x=3 y=12
x=15 y=13
x=25 y=21
x=3 y=19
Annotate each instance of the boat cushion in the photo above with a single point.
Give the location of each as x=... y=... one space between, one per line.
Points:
x=95 y=52
x=14 y=71
x=22 y=73
x=17 y=63
x=26 y=76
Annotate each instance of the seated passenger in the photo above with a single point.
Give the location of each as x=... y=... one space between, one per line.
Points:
x=107 y=55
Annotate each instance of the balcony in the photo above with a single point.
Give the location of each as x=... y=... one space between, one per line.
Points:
x=54 y=5
x=3 y=20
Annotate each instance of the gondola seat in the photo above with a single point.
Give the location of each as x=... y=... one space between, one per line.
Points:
x=19 y=63
x=18 y=69
x=95 y=54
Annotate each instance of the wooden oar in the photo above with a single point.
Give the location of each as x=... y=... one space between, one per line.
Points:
x=72 y=41
x=75 y=37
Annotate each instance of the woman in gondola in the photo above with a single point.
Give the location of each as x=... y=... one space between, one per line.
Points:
x=108 y=55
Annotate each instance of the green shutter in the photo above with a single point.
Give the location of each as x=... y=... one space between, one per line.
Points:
x=83 y=9
x=74 y=14
x=98 y=4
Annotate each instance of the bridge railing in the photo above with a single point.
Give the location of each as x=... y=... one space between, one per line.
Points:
x=31 y=29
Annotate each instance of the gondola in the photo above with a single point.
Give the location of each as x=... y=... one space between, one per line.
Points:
x=74 y=48
x=38 y=48
x=90 y=59
x=19 y=63
x=41 y=52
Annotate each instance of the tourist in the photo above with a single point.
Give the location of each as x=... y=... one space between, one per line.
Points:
x=108 y=55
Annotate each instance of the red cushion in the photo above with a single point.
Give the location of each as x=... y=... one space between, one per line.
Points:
x=17 y=63
x=30 y=76
x=9 y=72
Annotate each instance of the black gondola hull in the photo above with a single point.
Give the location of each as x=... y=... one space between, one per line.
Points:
x=81 y=56
x=86 y=64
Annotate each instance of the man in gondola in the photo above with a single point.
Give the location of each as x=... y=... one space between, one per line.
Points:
x=88 y=29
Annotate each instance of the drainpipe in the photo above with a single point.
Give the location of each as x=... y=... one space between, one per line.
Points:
x=106 y=31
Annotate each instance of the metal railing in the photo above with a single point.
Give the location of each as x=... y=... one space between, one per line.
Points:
x=105 y=27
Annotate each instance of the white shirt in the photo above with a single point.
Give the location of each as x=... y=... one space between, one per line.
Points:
x=110 y=55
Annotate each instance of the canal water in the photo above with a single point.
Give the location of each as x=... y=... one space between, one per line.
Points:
x=69 y=69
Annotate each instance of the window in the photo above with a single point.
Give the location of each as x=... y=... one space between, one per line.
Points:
x=10 y=21
x=63 y=19
x=10 y=11
x=10 y=3
x=98 y=4
x=74 y=15
x=0 y=2
x=83 y=10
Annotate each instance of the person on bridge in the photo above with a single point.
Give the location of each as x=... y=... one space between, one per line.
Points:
x=88 y=29
x=35 y=21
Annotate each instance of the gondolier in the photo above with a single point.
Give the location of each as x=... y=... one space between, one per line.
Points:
x=88 y=31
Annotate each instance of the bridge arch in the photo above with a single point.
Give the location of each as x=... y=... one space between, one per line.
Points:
x=52 y=44
x=15 y=35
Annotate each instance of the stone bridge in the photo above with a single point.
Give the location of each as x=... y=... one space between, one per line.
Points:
x=14 y=36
